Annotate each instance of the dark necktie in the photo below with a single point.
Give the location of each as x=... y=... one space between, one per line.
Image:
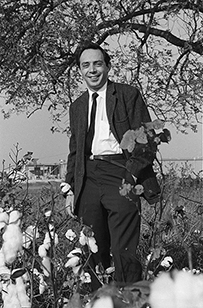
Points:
x=90 y=133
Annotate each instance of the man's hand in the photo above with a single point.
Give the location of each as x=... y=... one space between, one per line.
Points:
x=70 y=204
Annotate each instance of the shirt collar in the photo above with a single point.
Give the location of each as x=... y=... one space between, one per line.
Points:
x=101 y=92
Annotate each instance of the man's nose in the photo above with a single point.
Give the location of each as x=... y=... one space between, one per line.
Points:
x=92 y=68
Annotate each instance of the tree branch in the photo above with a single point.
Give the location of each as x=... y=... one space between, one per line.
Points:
x=196 y=47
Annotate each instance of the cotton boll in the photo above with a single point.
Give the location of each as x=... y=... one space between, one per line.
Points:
x=5 y=271
x=2 y=225
x=74 y=252
x=90 y=241
x=2 y=258
x=13 y=241
x=82 y=239
x=70 y=235
x=51 y=228
x=167 y=261
x=47 y=214
x=105 y=301
x=88 y=305
x=76 y=270
x=92 y=244
x=85 y=277
x=42 y=251
x=10 y=298
x=42 y=284
x=162 y=292
x=110 y=270
x=47 y=239
x=14 y=217
x=47 y=245
x=72 y=262
x=46 y=266
x=21 y=291
x=56 y=239
x=185 y=285
x=198 y=291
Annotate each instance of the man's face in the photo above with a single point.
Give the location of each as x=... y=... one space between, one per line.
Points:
x=93 y=68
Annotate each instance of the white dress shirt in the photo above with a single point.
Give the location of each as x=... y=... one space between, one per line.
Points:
x=104 y=142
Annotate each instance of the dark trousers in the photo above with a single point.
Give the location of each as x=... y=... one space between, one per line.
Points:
x=114 y=219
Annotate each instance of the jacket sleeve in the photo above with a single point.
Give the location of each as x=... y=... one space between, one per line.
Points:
x=140 y=161
x=143 y=155
x=72 y=153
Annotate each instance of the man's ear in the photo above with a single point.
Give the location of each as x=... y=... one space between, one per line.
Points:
x=109 y=66
x=80 y=71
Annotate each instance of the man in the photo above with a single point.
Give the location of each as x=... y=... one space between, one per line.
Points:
x=96 y=174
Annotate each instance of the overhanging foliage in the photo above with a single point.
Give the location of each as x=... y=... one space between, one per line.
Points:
x=156 y=45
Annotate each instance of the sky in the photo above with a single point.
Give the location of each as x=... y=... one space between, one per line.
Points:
x=34 y=134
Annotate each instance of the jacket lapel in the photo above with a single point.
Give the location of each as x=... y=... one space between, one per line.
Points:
x=110 y=104
x=82 y=117
x=84 y=110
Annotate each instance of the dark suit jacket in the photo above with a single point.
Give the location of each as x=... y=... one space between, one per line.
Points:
x=125 y=110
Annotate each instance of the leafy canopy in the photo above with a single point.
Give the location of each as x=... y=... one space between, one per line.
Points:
x=155 y=45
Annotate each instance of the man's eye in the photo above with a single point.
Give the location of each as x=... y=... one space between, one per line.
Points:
x=99 y=63
x=85 y=65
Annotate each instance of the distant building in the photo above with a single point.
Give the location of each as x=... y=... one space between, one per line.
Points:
x=35 y=170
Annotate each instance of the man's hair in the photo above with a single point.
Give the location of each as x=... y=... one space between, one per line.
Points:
x=95 y=46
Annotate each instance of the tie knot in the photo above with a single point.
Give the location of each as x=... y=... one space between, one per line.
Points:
x=95 y=95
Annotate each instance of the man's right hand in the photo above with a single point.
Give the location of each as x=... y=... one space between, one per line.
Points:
x=70 y=204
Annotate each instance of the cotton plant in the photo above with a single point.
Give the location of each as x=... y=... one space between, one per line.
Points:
x=13 y=294
x=158 y=261
x=18 y=173
x=142 y=143
x=78 y=257
x=75 y=262
x=74 y=257
x=87 y=238
x=50 y=237
x=10 y=217
x=104 y=275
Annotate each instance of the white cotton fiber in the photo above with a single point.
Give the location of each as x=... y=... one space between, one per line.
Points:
x=13 y=241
